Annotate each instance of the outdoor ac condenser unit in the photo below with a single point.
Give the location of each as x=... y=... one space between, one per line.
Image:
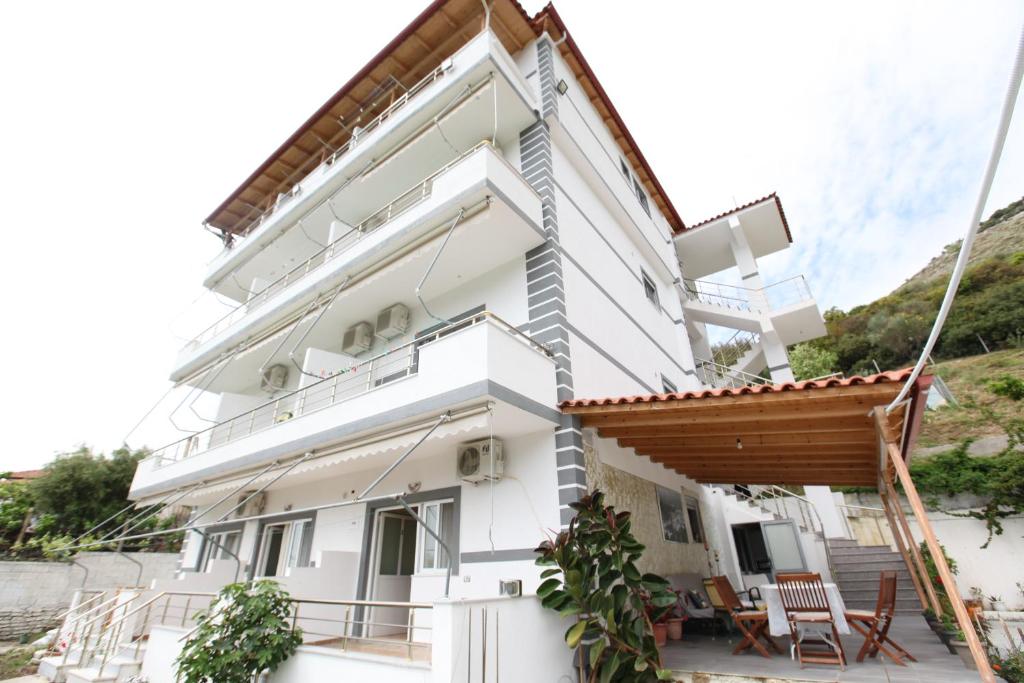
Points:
x=253 y=507
x=480 y=461
x=393 y=321
x=358 y=339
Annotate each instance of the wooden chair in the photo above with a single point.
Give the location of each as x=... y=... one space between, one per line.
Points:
x=753 y=624
x=874 y=626
x=805 y=602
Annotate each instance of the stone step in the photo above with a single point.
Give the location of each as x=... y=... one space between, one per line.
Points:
x=871 y=566
x=91 y=675
x=870 y=574
x=844 y=549
x=866 y=557
x=872 y=587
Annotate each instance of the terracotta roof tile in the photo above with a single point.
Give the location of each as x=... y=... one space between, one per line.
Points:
x=807 y=385
x=778 y=203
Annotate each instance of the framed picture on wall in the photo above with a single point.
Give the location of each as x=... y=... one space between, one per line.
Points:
x=673 y=515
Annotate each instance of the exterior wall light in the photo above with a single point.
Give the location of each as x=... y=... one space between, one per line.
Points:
x=739 y=444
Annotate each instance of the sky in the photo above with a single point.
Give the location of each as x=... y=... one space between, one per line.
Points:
x=123 y=124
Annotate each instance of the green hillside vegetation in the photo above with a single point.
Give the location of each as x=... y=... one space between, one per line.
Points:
x=989 y=305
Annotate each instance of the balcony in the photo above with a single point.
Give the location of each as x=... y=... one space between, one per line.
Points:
x=476 y=94
x=394 y=238
x=458 y=365
x=788 y=303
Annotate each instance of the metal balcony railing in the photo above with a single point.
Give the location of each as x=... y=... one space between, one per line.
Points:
x=358 y=135
x=361 y=377
x=772 y=297
x=716 y=376
x=729 y=352
x=378 y=218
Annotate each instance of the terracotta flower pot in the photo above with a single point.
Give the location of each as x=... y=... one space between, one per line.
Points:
x=675 y=629
x=660 y=634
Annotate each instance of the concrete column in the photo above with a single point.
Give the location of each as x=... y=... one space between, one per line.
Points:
x=775 y=354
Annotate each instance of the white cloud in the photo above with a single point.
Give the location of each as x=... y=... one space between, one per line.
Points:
x=125 y=123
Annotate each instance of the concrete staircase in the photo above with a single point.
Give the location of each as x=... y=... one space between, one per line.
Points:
x=857 y=568
x=79 y=668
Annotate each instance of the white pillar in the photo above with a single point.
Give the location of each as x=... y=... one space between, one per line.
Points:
x=828 y=511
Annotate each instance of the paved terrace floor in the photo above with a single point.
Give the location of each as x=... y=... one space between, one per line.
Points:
x=700 y=659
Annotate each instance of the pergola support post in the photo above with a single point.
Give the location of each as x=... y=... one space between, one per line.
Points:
x=915 y=552
x=913 y=569
x=945 y=575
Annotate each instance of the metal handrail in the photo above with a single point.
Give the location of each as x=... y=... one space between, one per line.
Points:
x=418 y=193
x=747 y=298
x=733 y=378
x=819 y=530
x=385 y=367
x=738 y=344
x=347 y=146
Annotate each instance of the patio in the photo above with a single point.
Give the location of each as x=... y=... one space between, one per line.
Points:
x=700 y=659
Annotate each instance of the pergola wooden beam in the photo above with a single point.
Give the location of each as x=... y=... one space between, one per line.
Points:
x=890 y=437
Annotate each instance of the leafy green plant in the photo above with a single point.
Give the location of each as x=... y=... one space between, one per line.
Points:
x=809 y=361
x=592 y=575
x=1011 y=667
x=1008 y=386
x=245 y=632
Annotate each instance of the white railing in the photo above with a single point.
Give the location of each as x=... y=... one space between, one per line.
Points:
x=784 y=293
x=729 y=352
x=378 y=218
x=778 y=500
x=716 y=376
x=361 y=377
x=352 y=142
x=365 y=625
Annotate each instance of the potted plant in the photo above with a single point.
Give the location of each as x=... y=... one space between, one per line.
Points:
x=958 y=645
x=948 y=632
x=659 y=617
x=676 y=617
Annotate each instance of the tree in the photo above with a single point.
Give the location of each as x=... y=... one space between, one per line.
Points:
x=15 y=506
x=809 y=361
x=81 y=489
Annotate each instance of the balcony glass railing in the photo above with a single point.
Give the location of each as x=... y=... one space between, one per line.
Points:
x=361 y=377
x=784 y=293
x=378 y=218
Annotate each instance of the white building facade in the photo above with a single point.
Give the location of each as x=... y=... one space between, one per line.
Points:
x=411 y=309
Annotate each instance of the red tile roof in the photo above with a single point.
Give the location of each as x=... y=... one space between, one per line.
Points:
x=778 y=203
x=897 y=376
x=25 y=474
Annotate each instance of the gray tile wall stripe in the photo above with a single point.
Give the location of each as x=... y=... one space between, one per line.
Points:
x=513 y=555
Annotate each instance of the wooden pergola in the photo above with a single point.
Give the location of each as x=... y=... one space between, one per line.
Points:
x=827 y=432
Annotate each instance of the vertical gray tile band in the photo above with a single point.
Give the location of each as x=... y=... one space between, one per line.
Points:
x=546 y=287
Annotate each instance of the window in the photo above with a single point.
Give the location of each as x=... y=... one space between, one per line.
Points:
x=284 y=545
x=673 y=521
x=696 y=523
x=625 y=168
x=650 y=289
x=667 y=385
x=641 y=196
x=220 y=546
x=440 y=517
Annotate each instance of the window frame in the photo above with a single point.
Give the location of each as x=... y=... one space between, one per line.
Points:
x=641 y=196
x=668 y=386
x=650 y=288
x=422 y=537
x=692 y=505
x=284 y=567
x=658 y=489
x=210 y=551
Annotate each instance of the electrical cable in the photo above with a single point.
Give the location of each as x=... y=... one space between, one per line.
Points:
x=419 y=287
x=965 y=248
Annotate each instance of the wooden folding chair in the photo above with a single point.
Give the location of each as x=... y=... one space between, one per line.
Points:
x=753 y=624
x=874 y=626
x=805 y=602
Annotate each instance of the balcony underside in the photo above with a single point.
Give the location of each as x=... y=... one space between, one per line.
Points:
x=502 y=223
x=446 y=118
x=795 y=323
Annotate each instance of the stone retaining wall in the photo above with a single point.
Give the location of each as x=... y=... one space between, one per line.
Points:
x=32 y=594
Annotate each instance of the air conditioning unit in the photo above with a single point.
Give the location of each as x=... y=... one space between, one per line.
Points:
x=358 y=339
x=480 y=461
x=253 y=507
x=274 y=378
x=393 y=321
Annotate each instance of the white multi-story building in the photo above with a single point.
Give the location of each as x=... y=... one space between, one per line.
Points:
x=463 y=238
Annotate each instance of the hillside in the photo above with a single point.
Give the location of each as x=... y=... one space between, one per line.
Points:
x=988 y=311
x=968 y=379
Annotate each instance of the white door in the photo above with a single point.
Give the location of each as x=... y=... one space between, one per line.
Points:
x=395 y=563
x=782 y=539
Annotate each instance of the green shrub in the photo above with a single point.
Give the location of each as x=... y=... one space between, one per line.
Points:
x=1007 y=386
x=245 y=632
